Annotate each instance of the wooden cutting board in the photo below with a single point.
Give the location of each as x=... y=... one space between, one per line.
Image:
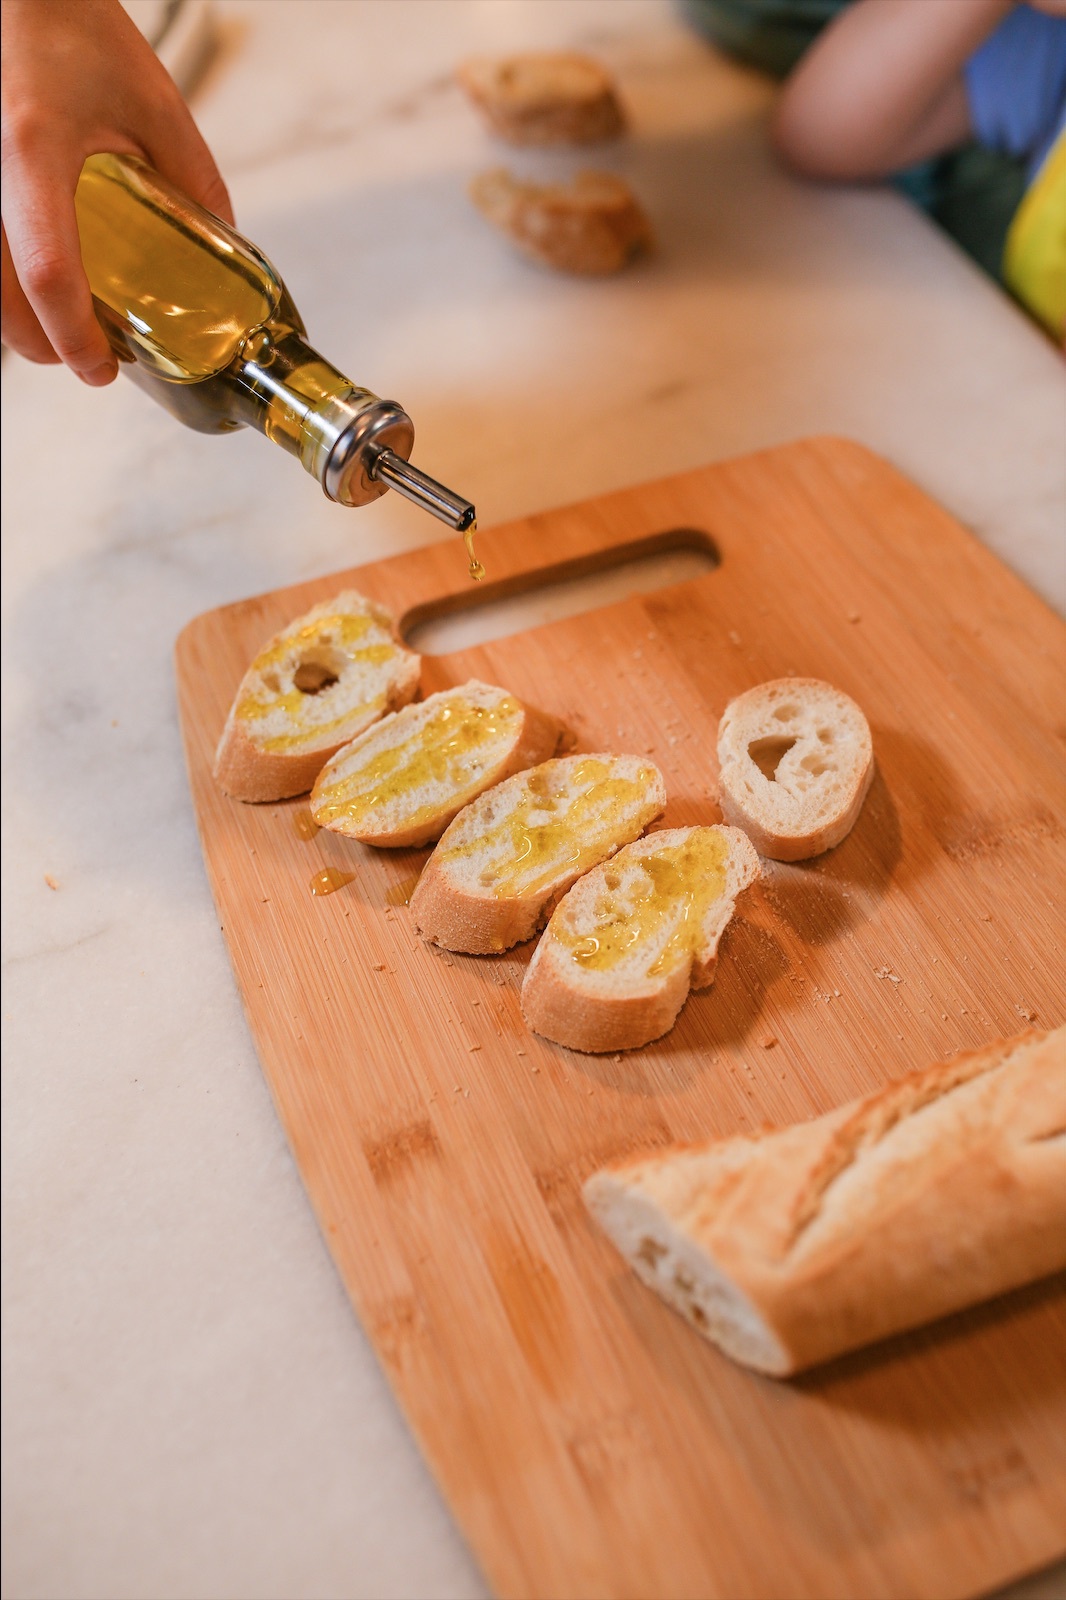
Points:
x=588 y=1441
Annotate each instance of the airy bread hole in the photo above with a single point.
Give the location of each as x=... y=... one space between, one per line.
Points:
x=816 y=764
x=785 y=713
x=768 y=754
x=318 y=671
x=826 y=735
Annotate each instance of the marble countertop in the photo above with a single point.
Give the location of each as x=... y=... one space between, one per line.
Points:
x=191 y=1408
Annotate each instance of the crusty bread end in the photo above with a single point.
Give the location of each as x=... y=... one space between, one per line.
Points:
x=791 y=1247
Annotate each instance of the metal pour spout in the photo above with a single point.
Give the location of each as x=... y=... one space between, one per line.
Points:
x=423 y=490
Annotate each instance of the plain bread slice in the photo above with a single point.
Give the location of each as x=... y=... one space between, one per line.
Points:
x=592 y=225
x=544 y=98
x=795 y=762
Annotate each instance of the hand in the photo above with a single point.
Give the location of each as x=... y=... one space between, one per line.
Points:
x=78 y=79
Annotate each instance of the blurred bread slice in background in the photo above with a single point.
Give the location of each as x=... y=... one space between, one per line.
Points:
x=559 y=98
x=592 y=226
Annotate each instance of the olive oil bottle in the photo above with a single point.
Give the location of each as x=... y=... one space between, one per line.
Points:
x=200 y=319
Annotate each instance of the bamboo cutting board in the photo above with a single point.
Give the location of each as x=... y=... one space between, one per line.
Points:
x=589 y=1442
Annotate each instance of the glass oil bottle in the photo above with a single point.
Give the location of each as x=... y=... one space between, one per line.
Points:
x=200 y=319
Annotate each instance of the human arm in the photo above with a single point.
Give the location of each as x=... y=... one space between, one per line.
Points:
x=882 y=87
x=78 y=79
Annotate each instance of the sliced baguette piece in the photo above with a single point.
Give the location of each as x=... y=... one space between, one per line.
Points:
x=313 y=687
x=796 y=760
x=633 y=937
x=590 y=226
x=791 y=1247
x=544 y=98
x=504 y=862
x=402 y=782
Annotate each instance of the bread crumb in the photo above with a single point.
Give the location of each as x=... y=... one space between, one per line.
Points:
x=1025 y=1014
x=854 y=616
x=50 y=881
x=448 y=962
x=886 y=972
x=473 y=1047
x=734 y=638
x=519 y=1052
x=768 y=1042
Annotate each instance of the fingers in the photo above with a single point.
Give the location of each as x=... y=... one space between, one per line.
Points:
x=154 y=115
x=21 y=330
x=44 y=255
x=176 y=148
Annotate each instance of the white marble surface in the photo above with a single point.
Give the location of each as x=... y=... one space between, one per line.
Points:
x=190 y=1407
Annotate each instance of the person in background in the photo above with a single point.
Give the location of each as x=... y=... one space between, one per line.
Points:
x=77 y=77
x=962 y=102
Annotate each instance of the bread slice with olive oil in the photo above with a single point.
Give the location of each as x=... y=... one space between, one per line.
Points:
x=311 y=689
x=401 y=783
x=632 y=938
x=796 y=760
x=504 y=862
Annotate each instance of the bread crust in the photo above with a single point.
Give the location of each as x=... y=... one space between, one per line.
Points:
x=794 y=1246
x=246 y=771
x=592 y=226
x=559 y=98
x=565 y=1004
x=795 y=822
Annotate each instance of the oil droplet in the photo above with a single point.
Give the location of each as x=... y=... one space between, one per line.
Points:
x=304 y=825
x=477 y=571
x=400 y=893
x=329 y=880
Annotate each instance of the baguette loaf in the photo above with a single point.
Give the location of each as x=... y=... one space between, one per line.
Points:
x=403 y=781
x=544 y=99
x=591 y=226
x=321 y=681
x=631 y=938
x=498 y=871
x=796 y=760
x=794 y=1246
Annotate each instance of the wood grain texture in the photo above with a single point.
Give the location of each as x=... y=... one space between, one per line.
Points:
x=588 y=1441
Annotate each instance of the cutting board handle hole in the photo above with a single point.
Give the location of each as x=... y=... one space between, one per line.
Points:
x=566 y=589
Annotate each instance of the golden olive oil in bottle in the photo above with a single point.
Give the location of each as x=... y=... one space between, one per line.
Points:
x=200 y=319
